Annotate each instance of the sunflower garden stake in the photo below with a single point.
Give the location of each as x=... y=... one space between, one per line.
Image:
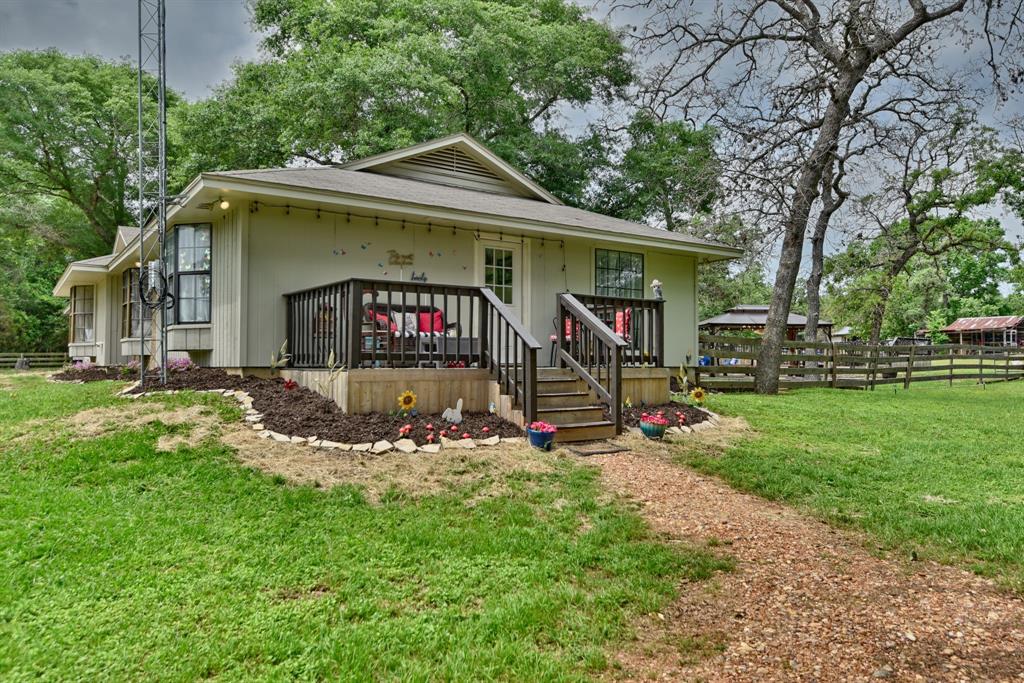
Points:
x=407 y=403
x=698 y=395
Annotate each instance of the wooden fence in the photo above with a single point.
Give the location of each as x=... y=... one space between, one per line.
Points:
x=36 y=360
x=730 y=362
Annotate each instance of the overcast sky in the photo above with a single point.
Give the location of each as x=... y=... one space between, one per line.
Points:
x=204 y=37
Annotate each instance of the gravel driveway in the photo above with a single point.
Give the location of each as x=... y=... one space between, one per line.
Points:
x=806 y=601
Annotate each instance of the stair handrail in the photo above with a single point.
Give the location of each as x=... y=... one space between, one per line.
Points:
x=586 y=361
x=504 y=368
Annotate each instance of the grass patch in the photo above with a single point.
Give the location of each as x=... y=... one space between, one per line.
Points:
x=933 y=471
x=118 y=561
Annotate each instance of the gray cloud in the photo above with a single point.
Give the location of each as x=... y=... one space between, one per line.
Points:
x=204 y=37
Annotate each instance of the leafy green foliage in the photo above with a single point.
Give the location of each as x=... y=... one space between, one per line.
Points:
x=186 y=565
x=68 y=128
x=31 y=319
x=668 y=174
x=351 y=79
x=959 y=283
x=933 y=469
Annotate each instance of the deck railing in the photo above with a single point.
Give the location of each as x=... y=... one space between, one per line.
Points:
x=385 y=324
x=593 y=352
x=640 y=323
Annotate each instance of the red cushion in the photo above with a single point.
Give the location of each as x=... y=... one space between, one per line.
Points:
x=431 y=321
x=382 y=320
x=623 y=319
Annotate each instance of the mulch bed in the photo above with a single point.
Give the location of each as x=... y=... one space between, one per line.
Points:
x=691 y=415
x=302 y=412
x=94 y=374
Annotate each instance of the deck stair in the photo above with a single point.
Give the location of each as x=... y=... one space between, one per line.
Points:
x=565 y=400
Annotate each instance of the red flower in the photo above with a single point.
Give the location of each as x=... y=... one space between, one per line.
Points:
x=430 y=427
x=430 y=438
x=485 y=430
x=465 y=435
x=290 y=384
x=454 y=428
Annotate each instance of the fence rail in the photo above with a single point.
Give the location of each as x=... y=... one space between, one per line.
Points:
x=730 y=362
x=35 y=360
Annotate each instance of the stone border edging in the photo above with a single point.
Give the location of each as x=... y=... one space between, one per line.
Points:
x=253 y=417
x=679 y=433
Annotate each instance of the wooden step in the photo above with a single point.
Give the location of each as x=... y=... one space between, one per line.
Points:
x=585 y=431
x=559 y=385
x=568 y=416
x=565 y=399
x=555 y=373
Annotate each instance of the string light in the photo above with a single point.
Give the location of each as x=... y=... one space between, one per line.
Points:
x=402 y=222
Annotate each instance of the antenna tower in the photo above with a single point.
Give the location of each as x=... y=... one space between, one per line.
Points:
x=152 y=176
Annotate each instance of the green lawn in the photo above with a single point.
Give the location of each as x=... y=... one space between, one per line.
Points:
x=934 y=470
x=119 y=562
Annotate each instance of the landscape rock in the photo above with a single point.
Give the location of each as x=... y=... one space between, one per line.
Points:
x=489 y=441
x=431 y=448
x=701 y=427
x=513 y=439
x=280 y=437
x=258 y=427
x=466 y=443
x=448 y=443
x=264 y=434
x=298 y=441
x=406 y=445
x=362 y=447
x=381 y=446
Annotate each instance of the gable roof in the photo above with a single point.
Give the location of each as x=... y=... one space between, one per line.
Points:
x=457 y=160
x=755 y=315
x=405 y=192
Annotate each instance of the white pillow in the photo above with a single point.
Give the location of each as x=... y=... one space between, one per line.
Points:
x=406 y=324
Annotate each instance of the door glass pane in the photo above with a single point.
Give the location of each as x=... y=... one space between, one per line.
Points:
x=498 y=272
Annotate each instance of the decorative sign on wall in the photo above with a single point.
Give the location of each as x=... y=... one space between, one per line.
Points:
x=396 y=259
x=418 y=277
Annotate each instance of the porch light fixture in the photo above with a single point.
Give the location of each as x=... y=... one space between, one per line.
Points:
x=223 y=204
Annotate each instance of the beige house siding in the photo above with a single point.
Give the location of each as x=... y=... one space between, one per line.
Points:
x=287 y=251
x=229 y=287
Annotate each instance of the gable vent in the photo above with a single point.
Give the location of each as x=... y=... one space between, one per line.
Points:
x=453 y=167
x=451 y=160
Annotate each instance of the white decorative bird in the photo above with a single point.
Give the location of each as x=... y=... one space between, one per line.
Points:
x=453 y=415
x=656 y=288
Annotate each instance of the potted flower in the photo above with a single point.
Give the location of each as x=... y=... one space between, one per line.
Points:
x=653 y=426
x=542 y=435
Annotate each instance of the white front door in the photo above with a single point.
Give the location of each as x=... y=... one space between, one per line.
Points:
x=500 y=267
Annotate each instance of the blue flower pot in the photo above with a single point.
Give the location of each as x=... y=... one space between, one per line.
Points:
x=541 y=440
x=653 y=431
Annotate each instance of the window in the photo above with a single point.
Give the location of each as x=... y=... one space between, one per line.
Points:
x=498 y=272
x=619 y=273
x=187 y=264
x=82 y=301
x=132 y=312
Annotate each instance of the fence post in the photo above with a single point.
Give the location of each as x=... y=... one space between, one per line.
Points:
x=835 y=372
x=951 y=357
x=910 y=367
x=874 y=365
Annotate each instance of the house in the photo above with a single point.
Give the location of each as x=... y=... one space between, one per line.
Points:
x=1003 y=330
x=754 y=318
x=437 y=268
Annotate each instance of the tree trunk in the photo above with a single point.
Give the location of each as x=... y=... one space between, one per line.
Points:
x=766 y=381
x=818 y=259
